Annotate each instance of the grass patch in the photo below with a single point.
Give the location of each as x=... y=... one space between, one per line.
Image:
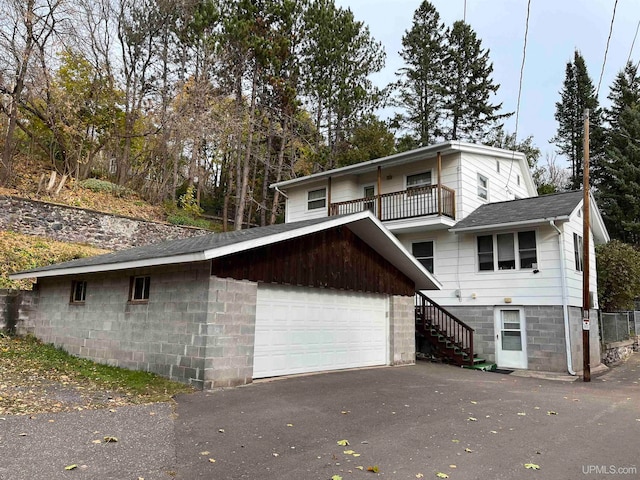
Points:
x=22 y=252
x=36 y=377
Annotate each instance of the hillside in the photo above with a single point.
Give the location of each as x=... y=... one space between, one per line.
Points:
x=22 y=252
x=122 y=202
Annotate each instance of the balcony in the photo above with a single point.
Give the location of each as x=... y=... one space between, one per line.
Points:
x=411 y=203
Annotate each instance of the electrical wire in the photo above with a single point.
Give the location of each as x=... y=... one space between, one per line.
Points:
x=634 y=42
x=524 y=56
x=606 y=50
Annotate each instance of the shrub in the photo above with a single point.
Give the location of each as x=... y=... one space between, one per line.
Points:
x=618 y=266
x=96 y=185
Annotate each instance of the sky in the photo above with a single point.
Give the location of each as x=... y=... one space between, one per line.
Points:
x=556 y=29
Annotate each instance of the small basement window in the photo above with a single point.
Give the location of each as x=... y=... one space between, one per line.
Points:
x=78 y=291
x=139 y=289
x=317 y=199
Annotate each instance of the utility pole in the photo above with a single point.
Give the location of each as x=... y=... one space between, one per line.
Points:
x=586 y=299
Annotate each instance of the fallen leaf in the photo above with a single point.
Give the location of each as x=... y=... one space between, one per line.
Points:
x=343 y=443
x=419 y=475
x=336 y=477
x=275 y=454
x=551 y=412
x=206 y=452
x=474 y=402
x=453 y=466
x=442 y=475
x=522 y=414
x=492 y=431
x=468 y=450
x=289 y=424
x=472 y=419
x=110 y=439
x=532 y=466
x=360 y=467
x=455 y=440
x=71 y=467
x=221 y=430
x=356 y=454
x=373 y=469
x=348 y=452
x=345 y=412
x=97 y=441
x=212 y=460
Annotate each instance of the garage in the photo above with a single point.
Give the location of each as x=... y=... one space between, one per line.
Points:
x=302 y=330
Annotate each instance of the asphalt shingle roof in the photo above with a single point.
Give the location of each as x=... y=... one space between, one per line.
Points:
x=522 y=210
x=183 y=246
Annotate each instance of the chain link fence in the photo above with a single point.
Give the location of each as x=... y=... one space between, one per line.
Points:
x=619 y=326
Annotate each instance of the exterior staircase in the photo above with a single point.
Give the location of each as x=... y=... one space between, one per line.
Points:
x=448 y=338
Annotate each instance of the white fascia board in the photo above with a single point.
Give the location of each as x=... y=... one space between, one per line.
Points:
x=598 y=227
x=509 y=225
x=110 y=267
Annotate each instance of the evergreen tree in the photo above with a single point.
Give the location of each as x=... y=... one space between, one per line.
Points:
x=618 y=175
x=468 y=87
x=420 y=85
x=578 y=94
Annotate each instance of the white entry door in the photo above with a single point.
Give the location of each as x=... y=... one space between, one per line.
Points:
x=511 y=337
x=301 y=330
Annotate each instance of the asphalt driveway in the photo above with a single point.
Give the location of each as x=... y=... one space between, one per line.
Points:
x=406 y=422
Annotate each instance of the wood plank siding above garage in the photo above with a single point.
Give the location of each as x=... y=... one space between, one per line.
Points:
x=335 y=258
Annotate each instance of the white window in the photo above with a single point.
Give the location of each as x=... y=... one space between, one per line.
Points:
x=423 y=251
x=317 y=199
x=78 y=292
x=578 y=247
x=139 y=289
x=513 y=251
x=419 y=180
x=483 y=187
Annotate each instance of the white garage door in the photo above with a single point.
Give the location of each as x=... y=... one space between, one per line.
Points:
x=301 y=330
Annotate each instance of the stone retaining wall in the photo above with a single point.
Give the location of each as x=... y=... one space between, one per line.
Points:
x=617 y=352
x=70 y=224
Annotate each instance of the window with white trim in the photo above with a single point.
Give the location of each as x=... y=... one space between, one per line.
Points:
x=423 y=251
x=317 y=199
x=78 y=291
x=139 y=289
x=483 y=187
x=578 y=247
x=507 y=251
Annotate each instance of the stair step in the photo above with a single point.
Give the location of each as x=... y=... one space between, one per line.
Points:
x=485 y=367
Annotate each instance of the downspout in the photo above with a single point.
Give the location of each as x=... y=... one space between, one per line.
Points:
x=565 y=295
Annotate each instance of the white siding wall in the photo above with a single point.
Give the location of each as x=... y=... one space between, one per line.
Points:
x=574 y=277
x=456 y=266
x=474 y=164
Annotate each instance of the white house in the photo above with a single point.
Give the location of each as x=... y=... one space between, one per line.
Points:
x=508 y=260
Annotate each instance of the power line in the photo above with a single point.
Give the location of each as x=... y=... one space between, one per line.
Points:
x=606 y=50
x=524 y=56
x=634 y=42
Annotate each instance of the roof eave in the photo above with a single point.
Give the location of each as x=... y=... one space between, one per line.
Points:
x=110 y=267
x=509 y=225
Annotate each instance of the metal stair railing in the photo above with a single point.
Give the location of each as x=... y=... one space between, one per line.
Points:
x=457 y=335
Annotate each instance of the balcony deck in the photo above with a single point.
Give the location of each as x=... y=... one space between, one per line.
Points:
x=411 y=203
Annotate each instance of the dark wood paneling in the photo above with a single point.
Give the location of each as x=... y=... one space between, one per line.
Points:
x=334 y=258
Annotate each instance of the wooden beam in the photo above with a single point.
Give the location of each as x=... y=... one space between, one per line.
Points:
x=439 y=156
x=379 y=198
x=329 y=197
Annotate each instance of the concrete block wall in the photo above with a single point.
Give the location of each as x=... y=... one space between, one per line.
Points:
x=575 y=321
x=7 y=308
x=481 y=319
x=546 y=350
x=229 y=333
x=402 y=330
x=162 y=336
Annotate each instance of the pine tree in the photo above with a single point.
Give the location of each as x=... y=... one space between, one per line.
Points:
x=578 y=94
x=420 y=85
x=469 y=113
x=618 y=175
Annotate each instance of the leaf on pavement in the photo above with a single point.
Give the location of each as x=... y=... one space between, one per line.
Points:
x=289 y=424
x=206 y=452
x=348 y=452
x=336 y=477
x=343 y=443
x=212 y=460
x=110 y=439
x=532 y=466
x=468 y=450
x=97 y=441
x=373 y=469
x=419 y=475
x=522 y=414
x=442 y=475
x=472 y=419
x=551 y=412
x=455 y=440
x=71 y=467
x=360 y=467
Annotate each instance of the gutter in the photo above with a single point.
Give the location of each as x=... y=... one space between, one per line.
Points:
x=565 y=295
